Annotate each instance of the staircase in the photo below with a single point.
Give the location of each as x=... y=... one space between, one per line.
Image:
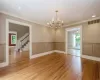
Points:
x=24 y=43
x=25 y=46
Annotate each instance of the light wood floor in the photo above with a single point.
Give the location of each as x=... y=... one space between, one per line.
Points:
x=18 y=56
x=74 y=52
x=52 y=67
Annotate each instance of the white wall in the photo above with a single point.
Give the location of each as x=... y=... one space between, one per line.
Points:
x=70 y=39
x=60 y=35
x=40 y=33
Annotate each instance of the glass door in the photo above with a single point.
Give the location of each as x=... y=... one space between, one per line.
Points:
x=77 y=40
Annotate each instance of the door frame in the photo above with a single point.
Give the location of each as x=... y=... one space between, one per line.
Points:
x=7 y=37
x=66 y=37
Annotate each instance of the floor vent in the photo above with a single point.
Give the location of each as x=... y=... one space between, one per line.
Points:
x=94 y=21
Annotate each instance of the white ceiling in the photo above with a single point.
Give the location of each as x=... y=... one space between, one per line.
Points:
x=42 y=11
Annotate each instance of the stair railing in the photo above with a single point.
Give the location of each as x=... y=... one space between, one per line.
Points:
x=24 y=41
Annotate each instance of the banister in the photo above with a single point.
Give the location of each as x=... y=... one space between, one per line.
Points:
x=24 y=38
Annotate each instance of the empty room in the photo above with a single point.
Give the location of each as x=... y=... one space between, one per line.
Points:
x=49 y=40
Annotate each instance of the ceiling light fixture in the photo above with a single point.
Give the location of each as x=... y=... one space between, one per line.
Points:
x=55 y=23
x=94 y=16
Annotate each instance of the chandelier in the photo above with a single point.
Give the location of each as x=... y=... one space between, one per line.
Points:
x=55 y=23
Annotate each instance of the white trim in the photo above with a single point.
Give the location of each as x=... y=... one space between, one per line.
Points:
x=33 y=56
x=80 y=22
x=7 y=40
x=90 y=57
x=58 y=51
x=41 y=54
x=50 y=52
x=13 y=32
x=7 y=47
x=76 y=23
x=9 y=14
x=82 y=56
x=3 y=64
x=66 y=37
x=63 y=52
x=18 y=22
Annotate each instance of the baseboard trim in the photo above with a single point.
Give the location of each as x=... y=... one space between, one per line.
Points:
x=41 y=54
x=58 y=51
x=3 y=64
x=82 y=56
x=90 y=57
x=50 y=52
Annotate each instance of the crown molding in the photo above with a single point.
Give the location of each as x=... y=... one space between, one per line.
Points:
x=9 y=14
x=72 y=24
x=80 y=22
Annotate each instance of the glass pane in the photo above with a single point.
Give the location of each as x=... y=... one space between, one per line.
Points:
x=13 y=39
x=77 y=39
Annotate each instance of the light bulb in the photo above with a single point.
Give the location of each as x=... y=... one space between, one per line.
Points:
x=47 y=23
x=94 y=16
x=58 y=19
x=52 y=19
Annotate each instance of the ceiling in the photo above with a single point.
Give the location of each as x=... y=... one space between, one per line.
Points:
x=42 y=11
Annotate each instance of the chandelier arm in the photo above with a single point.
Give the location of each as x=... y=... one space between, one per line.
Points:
x=57 y=23
x=56 y=15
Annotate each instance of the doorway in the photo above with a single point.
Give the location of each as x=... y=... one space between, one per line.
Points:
x=74 y=41
x=19 y=43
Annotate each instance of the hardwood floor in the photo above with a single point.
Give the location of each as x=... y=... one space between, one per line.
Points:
x=52 y=67
x=18 y=56
x=74 y=52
